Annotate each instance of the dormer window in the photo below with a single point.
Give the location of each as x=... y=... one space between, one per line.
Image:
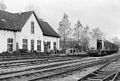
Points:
x=32 y=27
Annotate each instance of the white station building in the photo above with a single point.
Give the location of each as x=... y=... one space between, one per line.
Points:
x=26 y=31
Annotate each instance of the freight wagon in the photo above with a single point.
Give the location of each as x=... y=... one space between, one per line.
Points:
x=100 y=47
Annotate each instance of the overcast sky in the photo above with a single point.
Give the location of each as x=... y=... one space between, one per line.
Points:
x=104 y=14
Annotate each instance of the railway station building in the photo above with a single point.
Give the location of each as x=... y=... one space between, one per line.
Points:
x=26 y=31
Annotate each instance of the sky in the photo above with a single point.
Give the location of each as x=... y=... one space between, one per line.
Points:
x=104 y=14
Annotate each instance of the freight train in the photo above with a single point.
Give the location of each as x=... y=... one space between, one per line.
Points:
x=101 y=47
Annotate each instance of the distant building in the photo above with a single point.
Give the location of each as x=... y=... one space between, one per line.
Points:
x=26 y=31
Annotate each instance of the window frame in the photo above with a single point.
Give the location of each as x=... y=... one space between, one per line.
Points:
x=32 y=45
x=54 y=45
x=10 y=44
x=38 y=45
x=32 y=27
x=24 y=44
x=48 y=43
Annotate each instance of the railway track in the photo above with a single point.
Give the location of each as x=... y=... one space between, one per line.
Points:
x=16 y=68
x=40 y=72
x=113 y=77
x=38 y=68
x=102 y=75
x=74 y=68
x=31 y=62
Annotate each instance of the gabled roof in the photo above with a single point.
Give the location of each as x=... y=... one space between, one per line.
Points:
x=7 y=20
x=21 y=19
x=16 y=21
x=47 y=29
x=13 y=21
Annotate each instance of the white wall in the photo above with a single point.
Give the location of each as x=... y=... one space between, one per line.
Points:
x=51 y=40
x=4 y=35
x=26 y=34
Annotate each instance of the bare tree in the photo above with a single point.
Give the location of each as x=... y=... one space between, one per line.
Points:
x=32 y=7
x=116 y=41
x=36 y=9
x=2 y=6
x=85 y=37
x=64 y=29
x=78 y=31
x=97 y=33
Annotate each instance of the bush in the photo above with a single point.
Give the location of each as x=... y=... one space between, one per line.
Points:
x=15 y=52
x=41 y=53
x=22 y=51
x=34 y=51
x=52 y=51
x=5 y=52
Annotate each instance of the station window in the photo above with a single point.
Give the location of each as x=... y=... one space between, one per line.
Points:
x=32 y=45
x=45 y=46
x=54 y=45
x=32 y=28
x=25 y=44
x=48 y=43
x=38 y=45
x=9 y=44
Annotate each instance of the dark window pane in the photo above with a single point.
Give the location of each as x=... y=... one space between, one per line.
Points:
x=10 y=40
x=32 y=44
x=25 y=44
x=54 y=45
x=32 y=27
x=48 y=43
x=9 y=44
x=24 y=40
x=39 y=45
